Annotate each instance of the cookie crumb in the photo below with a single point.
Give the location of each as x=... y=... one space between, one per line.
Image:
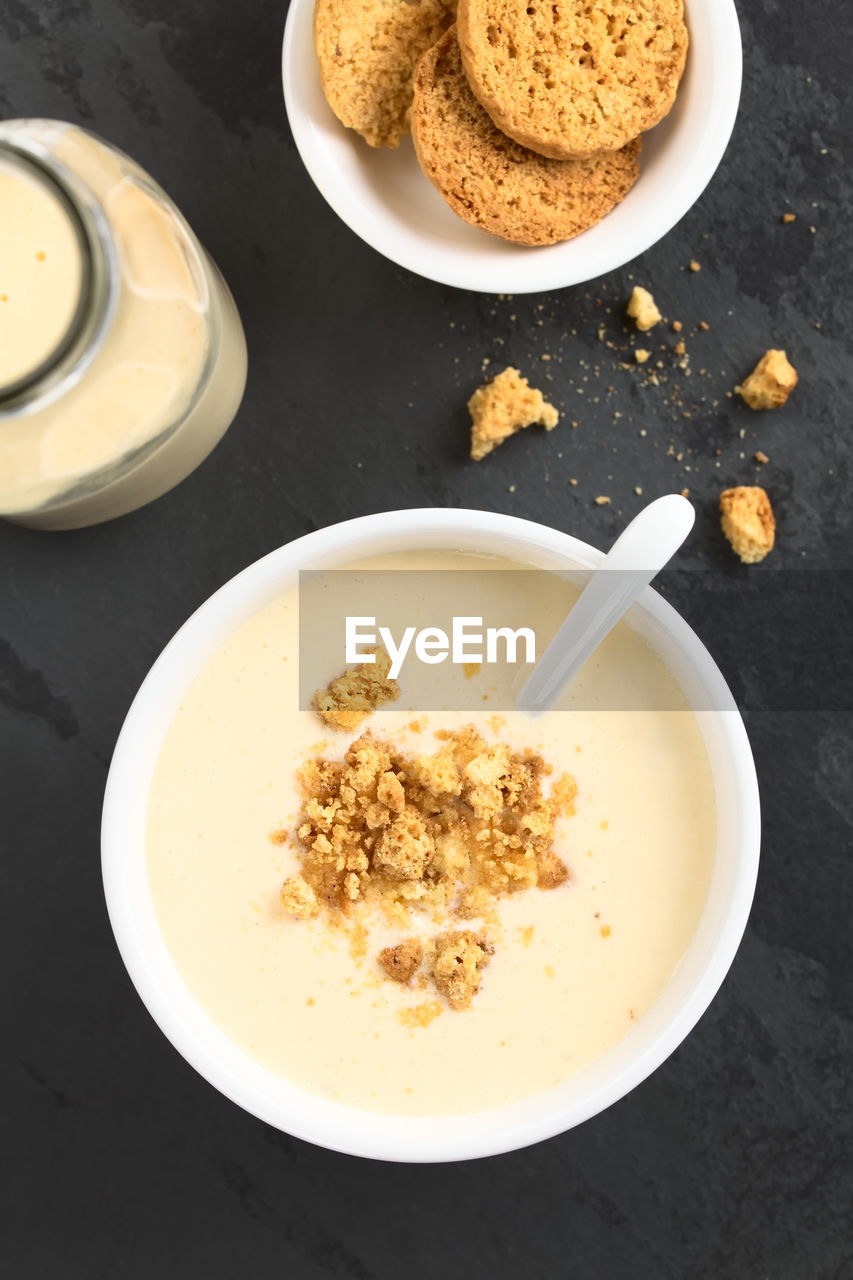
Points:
x=676 y=326
x=642 y=309
x=456 y=964
x=641 y=355
x=352 y=697
x=770 y=383
x=420 y=1015
x=602 y=500
x=405 y=848
x=748 y=522
x=402 y=961
x=703 y=326
x=504 y=406
x=788 y=218
x=694 y=265
x=552 y=871
x=298 y=898
x=761 y=457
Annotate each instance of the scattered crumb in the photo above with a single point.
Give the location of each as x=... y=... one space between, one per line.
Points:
x=703 y=326
x=456 y=963
x=471 y=669
x=642 y=309
x=685 y=493
x=789 y=217
x=298 y=898
x=694 y=265
x=679 y=348
x=504 y=406
x=420 y=1015
x=403 y=960
x=358 y=941
x=605 y=931
x=602 y=500
x=641 y=355
x=770 y=383
x=352 y=697
x=677 y=326
x=551 y=872
x=761 y=457
x=748 y=522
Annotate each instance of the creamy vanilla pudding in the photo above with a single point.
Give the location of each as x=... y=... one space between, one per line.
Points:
x=574 y=967
x=100 y=274
x=41 y=273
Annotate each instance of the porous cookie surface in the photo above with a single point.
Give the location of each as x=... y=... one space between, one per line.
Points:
x=367 y=50
x=573 y=77
x=748 y=522
x=491 y=181
x=503 y=406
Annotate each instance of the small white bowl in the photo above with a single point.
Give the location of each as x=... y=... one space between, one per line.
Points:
x=390 y=1137
x=384 y=198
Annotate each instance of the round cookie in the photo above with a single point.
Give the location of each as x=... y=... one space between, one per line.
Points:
x=491 y=181
x=367 y=50
x=573 y=77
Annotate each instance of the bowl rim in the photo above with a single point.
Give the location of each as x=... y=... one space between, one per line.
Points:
x=193 y=1033
x=527 y=270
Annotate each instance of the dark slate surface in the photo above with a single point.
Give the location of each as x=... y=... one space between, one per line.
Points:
x=734 y=1159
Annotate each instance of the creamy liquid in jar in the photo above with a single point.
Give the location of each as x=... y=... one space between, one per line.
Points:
x=41 y=273
x=574 y=968
x=161 y=371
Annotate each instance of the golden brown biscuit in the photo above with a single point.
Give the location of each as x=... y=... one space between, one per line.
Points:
x=491 y=181
x=574 y=77
x=748 y=522
x=367 y=50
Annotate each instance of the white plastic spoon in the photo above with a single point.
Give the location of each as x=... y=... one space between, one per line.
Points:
x=637 y=556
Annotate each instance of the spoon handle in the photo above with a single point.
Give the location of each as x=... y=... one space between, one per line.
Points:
x=636 y=557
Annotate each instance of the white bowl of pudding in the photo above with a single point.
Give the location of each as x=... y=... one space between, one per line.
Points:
x=663 y=853
x=383 y=196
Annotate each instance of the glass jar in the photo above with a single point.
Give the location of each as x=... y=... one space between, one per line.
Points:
x=122 y=355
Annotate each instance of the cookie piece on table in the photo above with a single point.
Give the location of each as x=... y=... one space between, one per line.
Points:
x=504 y=406
x=367 y=50
x=748 y=522
x=643 y=309
x=770 y=383
x=569 y=78
x=491 y=181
